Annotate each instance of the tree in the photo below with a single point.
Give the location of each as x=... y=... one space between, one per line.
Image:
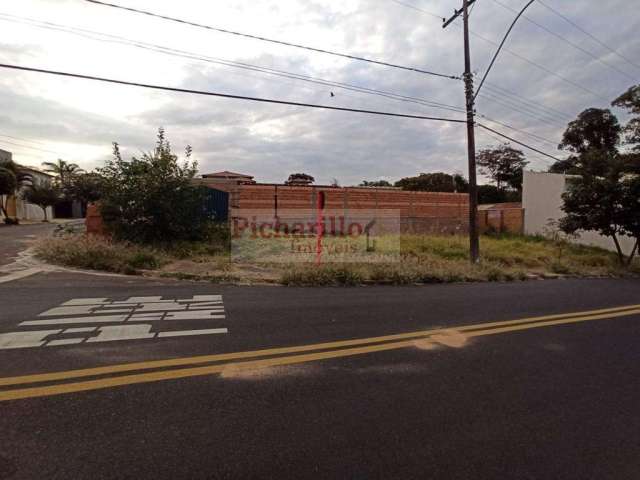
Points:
x=8 y=185
x=151 y=199
x=488 y=194
x=300 y=179
x=596 y=201
x=62 y=170
x=504 y=165
x=43 y=194
x=630 y=100
x=375 y=183
x=84 y=188
x=433 y=182
x=12 y=179
x=630 y=208
x=594 y=129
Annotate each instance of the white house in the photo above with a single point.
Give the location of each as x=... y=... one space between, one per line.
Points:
x=542 y=202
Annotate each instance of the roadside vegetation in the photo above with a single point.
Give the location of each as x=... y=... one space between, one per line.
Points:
x=98 y=253
x=158 y=225
x=422 y=259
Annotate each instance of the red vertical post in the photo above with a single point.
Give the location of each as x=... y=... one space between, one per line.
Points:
x=319 y=226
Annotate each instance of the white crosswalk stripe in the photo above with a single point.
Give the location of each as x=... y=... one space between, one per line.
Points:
x=107 y=320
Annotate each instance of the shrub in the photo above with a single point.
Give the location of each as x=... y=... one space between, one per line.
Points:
x=151 y=199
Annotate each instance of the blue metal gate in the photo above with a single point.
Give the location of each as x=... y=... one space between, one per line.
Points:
x=217 y=204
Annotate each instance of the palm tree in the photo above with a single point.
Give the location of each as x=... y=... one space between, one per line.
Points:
x=12 y=179
x=62 y=169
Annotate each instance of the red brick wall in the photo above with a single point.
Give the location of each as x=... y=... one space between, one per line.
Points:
x=420 y=212
x=93 y=221
x=501 y=219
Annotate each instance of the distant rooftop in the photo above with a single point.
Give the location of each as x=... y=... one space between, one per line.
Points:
x=35 y=170
x=228 y=175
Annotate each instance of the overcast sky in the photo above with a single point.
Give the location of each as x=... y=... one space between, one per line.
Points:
x=43 y=117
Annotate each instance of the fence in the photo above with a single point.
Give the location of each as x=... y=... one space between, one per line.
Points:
x=420 y=212
x=501 y=218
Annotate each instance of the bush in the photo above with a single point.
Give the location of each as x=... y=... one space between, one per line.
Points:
x=151 y=199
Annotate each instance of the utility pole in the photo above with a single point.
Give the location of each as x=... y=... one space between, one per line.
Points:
x=474 y=241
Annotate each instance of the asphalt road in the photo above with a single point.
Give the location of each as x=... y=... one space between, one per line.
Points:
x=15 y=238
x=543 y=398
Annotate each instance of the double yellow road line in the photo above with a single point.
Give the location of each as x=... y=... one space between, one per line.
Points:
x=71 y=381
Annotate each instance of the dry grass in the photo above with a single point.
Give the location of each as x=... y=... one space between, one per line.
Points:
x=422 y=259
x=445 y=259
x=98 y=253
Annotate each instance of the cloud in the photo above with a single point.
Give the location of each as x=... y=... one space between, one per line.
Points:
x=270 y=141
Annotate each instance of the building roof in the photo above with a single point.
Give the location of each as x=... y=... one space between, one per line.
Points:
x=226 y=174
x=35 y=170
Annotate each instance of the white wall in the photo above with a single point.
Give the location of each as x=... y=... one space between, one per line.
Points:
x=542 y=200
x=28 y=211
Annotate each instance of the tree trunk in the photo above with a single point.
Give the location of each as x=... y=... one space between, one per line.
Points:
x=3 y=205
x=44 y=209
x=633 y=252
x=620 y=254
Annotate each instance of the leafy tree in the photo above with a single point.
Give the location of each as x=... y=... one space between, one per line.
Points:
x=151 y=199
x=375 y=183
x=567 y=166
x=84 y=188
x=630 y=100
x=43 y=194
x=461 y=183
x=596 y=201
x=300 y=179
x=603 y=196
x=630 y=208
x=62 y=170
x=594 y=129
x=488 y=194
x=504 y=165
x=433 y=182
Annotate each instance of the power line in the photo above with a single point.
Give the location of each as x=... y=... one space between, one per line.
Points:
x=255 y=99
x=521 y=107
x=523 y=132
x=391 y=95
x=511 y=52
x=103 y=37
x=590 y=35
x=501 y=90
x=270 y=40
x=544 y=108
x=417 y=9
x=506 y=102
x=544 y=69
x=518 y=142
x=225 y=95
x=28 y=146
x=495 y=137
x=23 y=139
x=504 y=39
x=566 y=40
